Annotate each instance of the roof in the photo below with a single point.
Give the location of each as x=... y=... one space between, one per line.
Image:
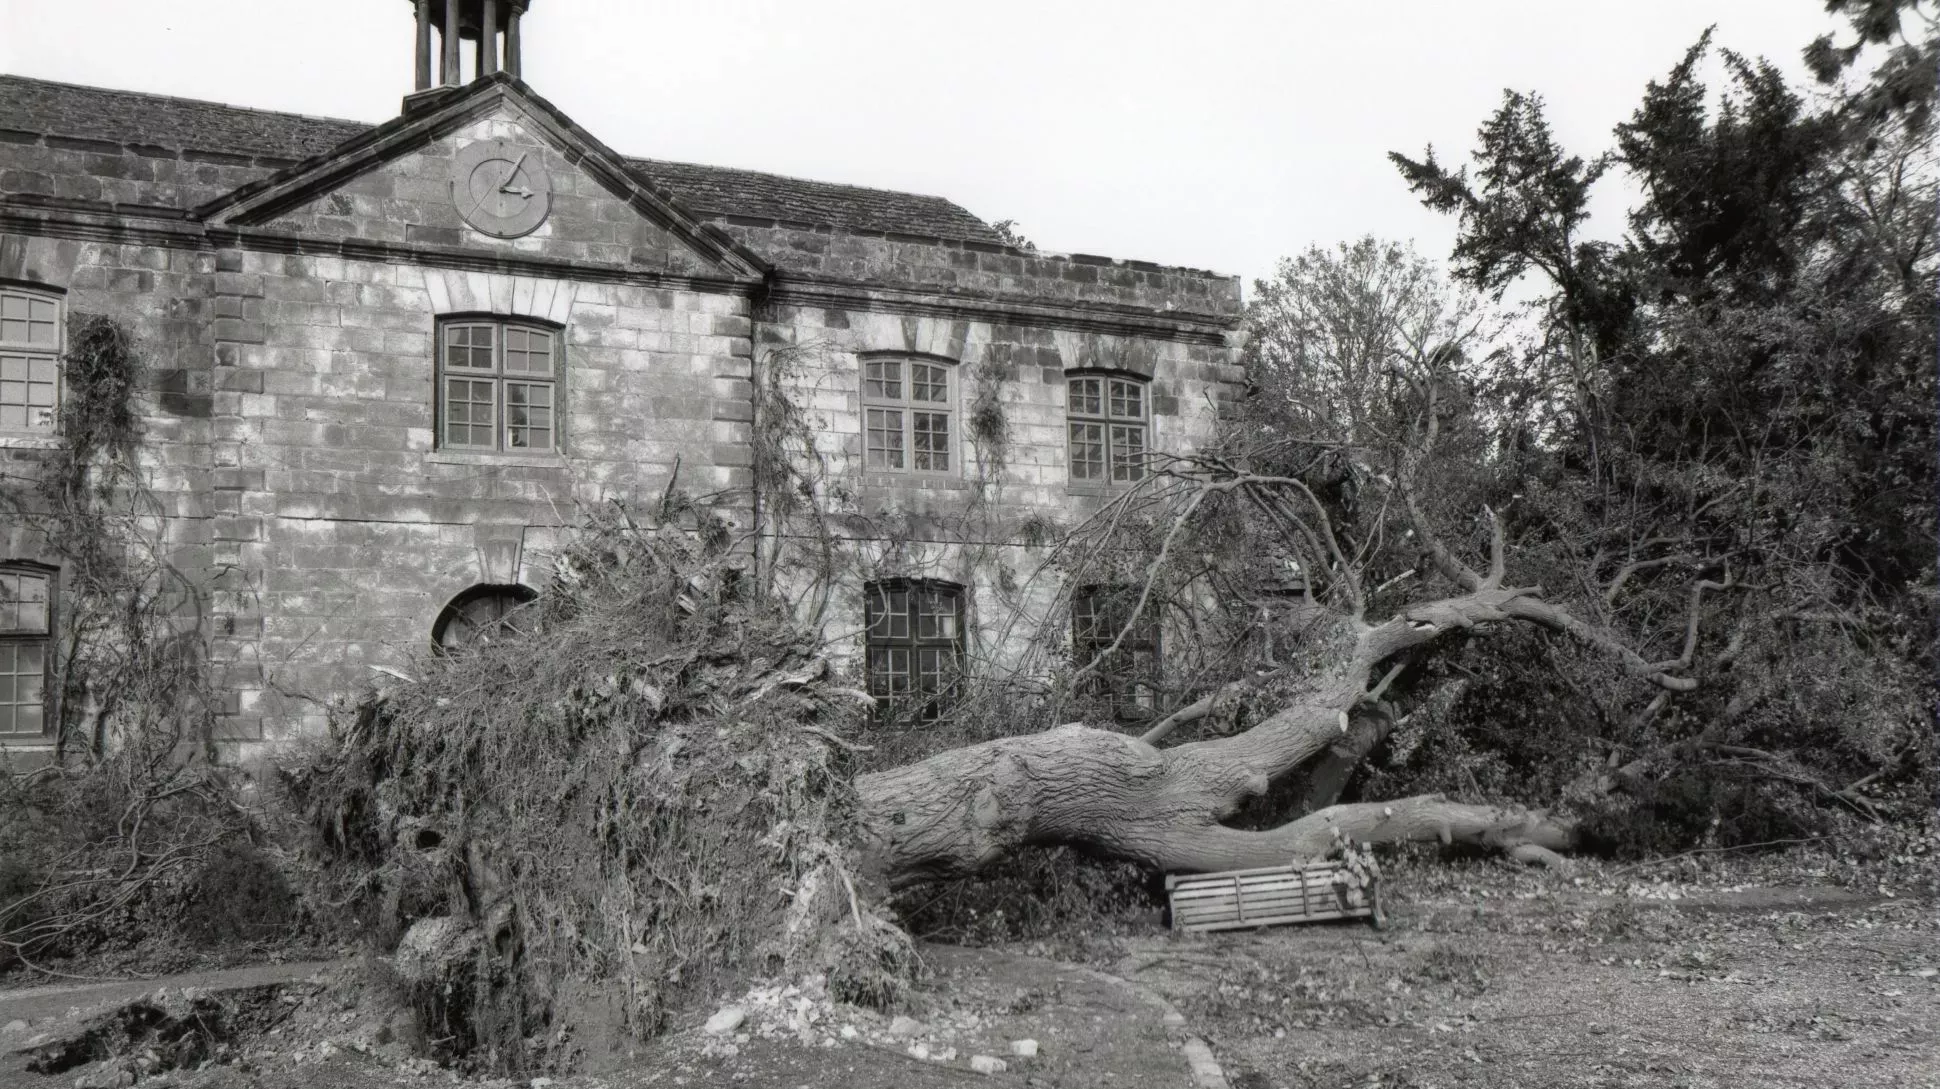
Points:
x=722 y=191
x=148 y=121
x=177 y=124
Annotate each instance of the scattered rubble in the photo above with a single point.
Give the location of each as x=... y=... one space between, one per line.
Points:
x=805 y=1012
x=725 y=1021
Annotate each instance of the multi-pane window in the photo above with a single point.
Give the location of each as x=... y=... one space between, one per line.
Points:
x=915 y=639
x=906 y=416
x=1127 y=678
x=498 y=387
x=1107 y=429
x=26 y=637
x=30 y=357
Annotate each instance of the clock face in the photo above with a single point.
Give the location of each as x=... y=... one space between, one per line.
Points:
x=500 y=188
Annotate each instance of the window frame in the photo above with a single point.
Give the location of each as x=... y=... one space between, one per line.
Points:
x=1109 y=422
x=11 y=639
x=500 y=380
x=30 y=351
x=909 y=407
x=519 y=596
x=914 y=701
x=1132 y=685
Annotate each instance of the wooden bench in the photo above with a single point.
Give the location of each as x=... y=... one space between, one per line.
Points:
x=1272 y=897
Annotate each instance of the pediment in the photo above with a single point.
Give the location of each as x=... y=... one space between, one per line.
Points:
x=493 y=169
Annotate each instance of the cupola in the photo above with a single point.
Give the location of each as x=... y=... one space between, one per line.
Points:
x=492 y=26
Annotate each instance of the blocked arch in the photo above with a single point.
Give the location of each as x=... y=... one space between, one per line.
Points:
x=480 y=613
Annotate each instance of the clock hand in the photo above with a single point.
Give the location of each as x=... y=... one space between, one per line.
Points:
x=512 y=173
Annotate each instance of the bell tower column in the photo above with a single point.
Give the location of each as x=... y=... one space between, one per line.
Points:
x=492 y=26
x=422 y=78
x=488 y=39
x=450 y=37
x=512 y=38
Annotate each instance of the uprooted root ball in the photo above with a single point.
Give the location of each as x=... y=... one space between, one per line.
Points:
x=642 y=793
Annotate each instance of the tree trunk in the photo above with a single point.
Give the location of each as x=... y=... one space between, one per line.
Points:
x=1117 y=795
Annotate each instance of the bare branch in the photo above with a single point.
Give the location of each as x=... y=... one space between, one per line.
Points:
x=1191 y=712
x=1634 y=567
x=1498 y=564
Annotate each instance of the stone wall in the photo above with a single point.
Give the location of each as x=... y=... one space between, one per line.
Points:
x=289 y=410
x=350 y=530
x=975 y=526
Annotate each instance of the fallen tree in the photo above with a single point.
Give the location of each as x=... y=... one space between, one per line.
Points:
x=1126 y=797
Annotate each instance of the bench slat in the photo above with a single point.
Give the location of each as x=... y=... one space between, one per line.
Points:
x=1265 y=897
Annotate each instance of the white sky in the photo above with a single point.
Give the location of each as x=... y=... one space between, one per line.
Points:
x=1220 y=135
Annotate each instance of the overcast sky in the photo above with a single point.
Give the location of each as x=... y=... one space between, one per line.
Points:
x=1216 y=134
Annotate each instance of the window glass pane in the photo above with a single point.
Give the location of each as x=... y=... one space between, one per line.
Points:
x=22 y=686
x=936 y=615
x=882 y=379
x=528 y=415
x=528 y=351
x=1084 y=619
x=936 y=668
x=1127 y=400
x=1127 y=453
x=30 y=320
x=44 y=323
x=469 y=347
x=930 y=440
x=30 y=672
x=888 y=671
x=23 y=603
x=884 y=438
x=929 y=383
x=1087 y=451
x=469 y=414
x=889 y=614
x=1087 y=397
x=29 y=386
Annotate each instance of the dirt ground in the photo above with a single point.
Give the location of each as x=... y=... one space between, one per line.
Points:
x=1686 y=976
x=1486 y=977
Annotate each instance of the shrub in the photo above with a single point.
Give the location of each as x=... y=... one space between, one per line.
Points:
x=649 y=807
x=238 y=895
x=1698 y=805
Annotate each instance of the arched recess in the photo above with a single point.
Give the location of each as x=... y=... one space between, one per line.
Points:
x=481 y=614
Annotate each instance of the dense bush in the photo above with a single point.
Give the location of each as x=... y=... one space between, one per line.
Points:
x=127 y=860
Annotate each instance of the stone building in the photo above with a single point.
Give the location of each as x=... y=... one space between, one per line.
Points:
x=385 y=363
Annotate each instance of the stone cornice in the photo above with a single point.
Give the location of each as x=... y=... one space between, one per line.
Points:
x=1211 y=329
x=99 y=223
x=452 y=257
x=102 y=224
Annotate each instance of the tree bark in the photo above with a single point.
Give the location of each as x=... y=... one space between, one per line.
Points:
x=1118 y=795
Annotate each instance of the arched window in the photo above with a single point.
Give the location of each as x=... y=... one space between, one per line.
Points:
x=1106 y=415
x=908 y=415
x=30 y=360
x=26 y=649
x=915 y=637
x=480 y=615
x=498 y=386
